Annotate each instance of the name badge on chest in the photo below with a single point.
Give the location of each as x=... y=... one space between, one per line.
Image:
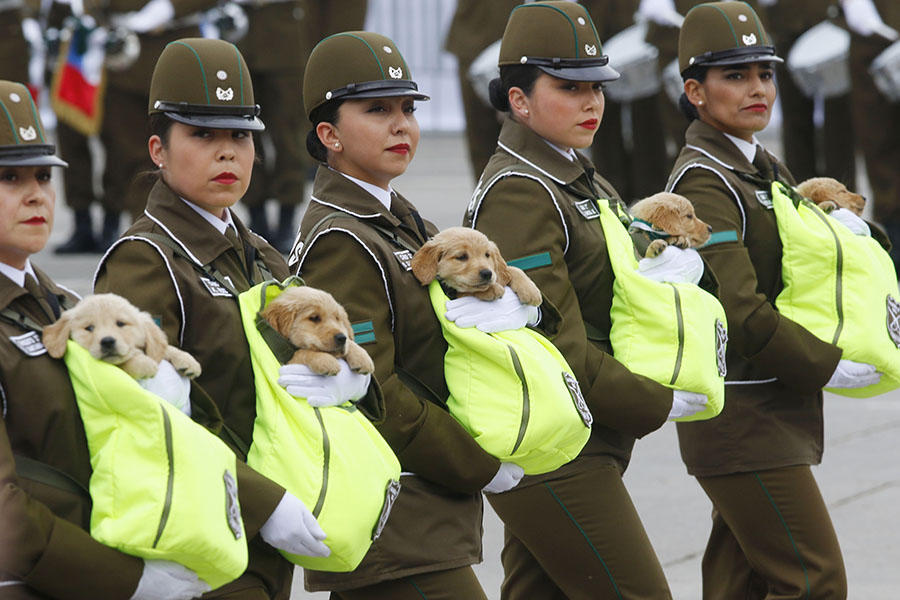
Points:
x=404 y=257
x=29 y=343
x=215 y=288
x=763 y=197
x=588 y=209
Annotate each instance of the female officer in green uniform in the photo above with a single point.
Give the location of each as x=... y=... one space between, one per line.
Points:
x=356 y=241
x=771 y=533
x=574 y=532
x=186 y=259
x=46 y=550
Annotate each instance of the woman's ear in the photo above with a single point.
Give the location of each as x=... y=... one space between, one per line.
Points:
x=695 y=92
x=156 y=150
x=518 y=103
x=328 y=135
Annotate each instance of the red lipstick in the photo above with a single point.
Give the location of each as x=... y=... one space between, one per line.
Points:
x=225 y=177
x=761 y=108
x=35 y=221
x=400 y=149
x=589 y=124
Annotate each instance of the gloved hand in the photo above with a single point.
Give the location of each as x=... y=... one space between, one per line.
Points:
x=502 y=314
x=323 y=390
x=685 y=404
x=166 y=580
x=151 y=16
x=852 y=374
x=863 y=18
x=294 y=529
x=508 y=476
x=673 y=265
x=849 y=219
x=662 y=12
x=171 y=386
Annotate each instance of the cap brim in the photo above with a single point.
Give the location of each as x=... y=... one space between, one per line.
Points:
x=741 y=60
x=388 y=93
x=218 y=121
x=34 y=160
x=595 y=73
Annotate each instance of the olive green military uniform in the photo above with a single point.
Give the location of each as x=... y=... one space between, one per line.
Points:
x=574 y=532
x=435 y=525
x=203 y=319
x=475 y=26
x=835 y=156
x=877 y=124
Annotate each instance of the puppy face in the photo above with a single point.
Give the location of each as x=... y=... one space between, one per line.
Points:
x=465 y=259
x=675 y=215
x=109 y=327
x=831 y=193
x=311 y=319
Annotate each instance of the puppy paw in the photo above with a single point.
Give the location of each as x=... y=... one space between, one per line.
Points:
x=358 y=359
x=140 y=367
x=183 y=362
x=655 y=248
x=492 y=293
x=828 y=206
x=319 y=362
x=524 y=287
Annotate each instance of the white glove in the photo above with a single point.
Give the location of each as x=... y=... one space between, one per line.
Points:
x=685 y=404
x=508 y=476
x=171 y=386
x=166 y=580
x=660 y=11
x=502 y=314
x=863 y=18
x=294 y=529
x=849 y=220
x=673 y=265
x=851 y=374
x=323 y=390
x=151 y=16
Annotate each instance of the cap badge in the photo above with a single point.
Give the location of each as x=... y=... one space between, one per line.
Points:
x=749 y=40
x=395 y=73
x=387 y=49
x=581 y=21
x=27 y=134
x=224 y=94
x=742 y=18
x=222 y=75
x=590 y=49
x=15 y=97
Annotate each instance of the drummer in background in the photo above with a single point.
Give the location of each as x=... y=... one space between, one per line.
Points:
x=771 y=533
x=874 y=24
x=835 y=156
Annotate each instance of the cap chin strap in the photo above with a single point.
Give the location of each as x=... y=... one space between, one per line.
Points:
x=565 y=63
x=247 y=111
x=351 y=89
x=711 y=57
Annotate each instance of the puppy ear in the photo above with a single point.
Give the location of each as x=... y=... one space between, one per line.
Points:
x=280 y=315
x=500 y=266
x=425 y=262
x=56 y=335
x=155 y=336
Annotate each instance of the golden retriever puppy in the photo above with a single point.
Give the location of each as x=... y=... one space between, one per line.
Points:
x=673 y=214
x=830 y=194
x=314 y=322
x=467 y=261
x=114 y=330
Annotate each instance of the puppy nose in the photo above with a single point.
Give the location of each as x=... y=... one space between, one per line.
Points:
x=340 y=339
x=108 y=343
x=485 y=274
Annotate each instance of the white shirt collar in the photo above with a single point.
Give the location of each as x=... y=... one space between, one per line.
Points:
x=219 y=224
x=18 y=276
x=383 y=195
x=748 y=149
x=567 y=152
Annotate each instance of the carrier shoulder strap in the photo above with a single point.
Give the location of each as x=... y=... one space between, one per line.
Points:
x=35 y=470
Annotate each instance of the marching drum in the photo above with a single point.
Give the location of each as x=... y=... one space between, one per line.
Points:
x=885 y=71
x=636 y=61
x=818 y=61
x=483 y=69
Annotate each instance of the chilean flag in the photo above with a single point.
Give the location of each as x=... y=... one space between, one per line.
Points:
x=78 y=84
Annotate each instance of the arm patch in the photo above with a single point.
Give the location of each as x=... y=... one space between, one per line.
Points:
x=363 y=332
x=721 y=237
x=531 y=262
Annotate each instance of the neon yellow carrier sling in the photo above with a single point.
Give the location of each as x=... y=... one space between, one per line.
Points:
x=332 y=458
x=514 y=393
x=162 y=486
x=673 y=333
x=840 y=286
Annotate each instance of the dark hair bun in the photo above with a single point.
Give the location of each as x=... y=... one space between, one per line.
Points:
x=687 y=109
x=498 y=95
x=315 y=147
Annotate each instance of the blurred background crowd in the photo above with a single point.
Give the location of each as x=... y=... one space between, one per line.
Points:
x=89 y=64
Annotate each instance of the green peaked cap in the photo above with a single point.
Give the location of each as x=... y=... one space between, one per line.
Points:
x=22 y=139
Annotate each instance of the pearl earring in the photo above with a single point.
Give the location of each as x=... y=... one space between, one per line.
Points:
x=160 y=165
x=700 y=103
x=525 y=111
x=337 y=144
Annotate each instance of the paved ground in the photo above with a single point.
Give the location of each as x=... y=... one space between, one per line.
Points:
x=860 y=477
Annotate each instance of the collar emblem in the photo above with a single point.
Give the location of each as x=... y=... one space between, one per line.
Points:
x=29 y=343
x=395 y=73
x=590 y=49
x=721 y=343
x=749 y=40
x=893 y=319
x=27 y=134
x=224 y=95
